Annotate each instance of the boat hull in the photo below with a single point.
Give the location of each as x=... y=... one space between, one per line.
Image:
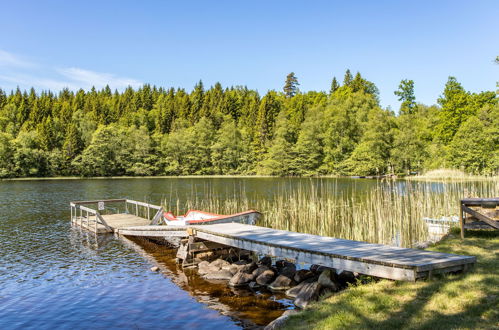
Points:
x=204 y=218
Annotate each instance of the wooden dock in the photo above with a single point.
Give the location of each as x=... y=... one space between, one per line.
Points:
x=134 y=214
x=370 y=259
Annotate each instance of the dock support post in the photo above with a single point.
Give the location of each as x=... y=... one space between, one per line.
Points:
x=137 y=209
x=148 y=212
x=461 y=219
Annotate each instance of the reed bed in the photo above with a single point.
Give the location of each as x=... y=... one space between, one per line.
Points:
x=451 y=175
x=390 y=212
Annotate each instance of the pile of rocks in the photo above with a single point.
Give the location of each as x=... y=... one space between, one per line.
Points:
x=304 y=285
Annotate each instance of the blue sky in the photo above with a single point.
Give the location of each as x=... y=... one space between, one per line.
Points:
x=52 y=44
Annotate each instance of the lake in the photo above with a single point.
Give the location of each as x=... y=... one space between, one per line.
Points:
x=55 y=276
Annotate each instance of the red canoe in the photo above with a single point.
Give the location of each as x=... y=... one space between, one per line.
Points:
x=195 y=217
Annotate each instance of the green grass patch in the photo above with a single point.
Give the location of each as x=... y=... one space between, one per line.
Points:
x=462 y=301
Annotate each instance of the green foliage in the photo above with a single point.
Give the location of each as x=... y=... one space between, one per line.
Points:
x=216 y=130
x=347 y=79
x=279 y=157
x=334 y=86
x=270 y=106
x=475 y=147
x=6 y=154
x=371 y=156
x=309 y=148
x=345 y=118
x=412 y=135
x=406 y=95
x=457 y=106
x=103 y=157
x=291 y=85
x=228 y=151
x=188 y=149
x=360 y=84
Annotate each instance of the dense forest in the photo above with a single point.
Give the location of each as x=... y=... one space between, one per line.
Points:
x=157 y=131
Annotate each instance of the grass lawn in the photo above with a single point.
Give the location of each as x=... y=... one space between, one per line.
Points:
x=464 y=301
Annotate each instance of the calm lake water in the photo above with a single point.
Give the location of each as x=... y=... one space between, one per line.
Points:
x=55 y=276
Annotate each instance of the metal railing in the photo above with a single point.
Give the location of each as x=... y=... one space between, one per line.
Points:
x=82 y=214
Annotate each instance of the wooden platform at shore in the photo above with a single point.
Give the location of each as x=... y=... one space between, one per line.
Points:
x=365 y=258
x=115 y=221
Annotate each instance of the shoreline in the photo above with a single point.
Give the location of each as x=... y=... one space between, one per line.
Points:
x=420 y=178
x=396 y=305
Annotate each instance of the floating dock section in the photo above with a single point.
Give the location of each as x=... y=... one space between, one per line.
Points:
x=105 y=216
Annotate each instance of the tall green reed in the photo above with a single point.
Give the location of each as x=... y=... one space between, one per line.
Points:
x=391 y=212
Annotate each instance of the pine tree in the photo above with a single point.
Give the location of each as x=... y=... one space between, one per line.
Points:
x=165 y=108
x=347 y=80
x=227 y=151
x=291 y=85
x=197 y=100
x=267 y=112
x=357 y=83
x=334 y=86
x=3 y=99
x=73 y=145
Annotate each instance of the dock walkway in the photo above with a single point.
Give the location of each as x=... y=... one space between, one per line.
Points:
x=366 y=258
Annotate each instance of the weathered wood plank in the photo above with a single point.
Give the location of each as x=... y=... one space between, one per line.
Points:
x=359 y=251
x=479 y=201
x=311 y=257
x=152 y=233
x=481 y=217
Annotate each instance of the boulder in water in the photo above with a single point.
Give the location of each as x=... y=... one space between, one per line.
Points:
x=219 y=263
x=266 y=277
x=260 y=270
x=219 y=275
x=204 y=267
x=241 y=279
x=282 y=283
x=248 y=268
x=302 y=275
x=293 y=292
x=231 y=268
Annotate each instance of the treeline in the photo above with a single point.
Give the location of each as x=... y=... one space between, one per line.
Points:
x=157 y=131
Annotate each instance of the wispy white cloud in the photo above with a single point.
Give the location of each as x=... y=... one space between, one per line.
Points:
x=8 y=59
x=98 y=79
x=16 y=71
x=26 y=81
